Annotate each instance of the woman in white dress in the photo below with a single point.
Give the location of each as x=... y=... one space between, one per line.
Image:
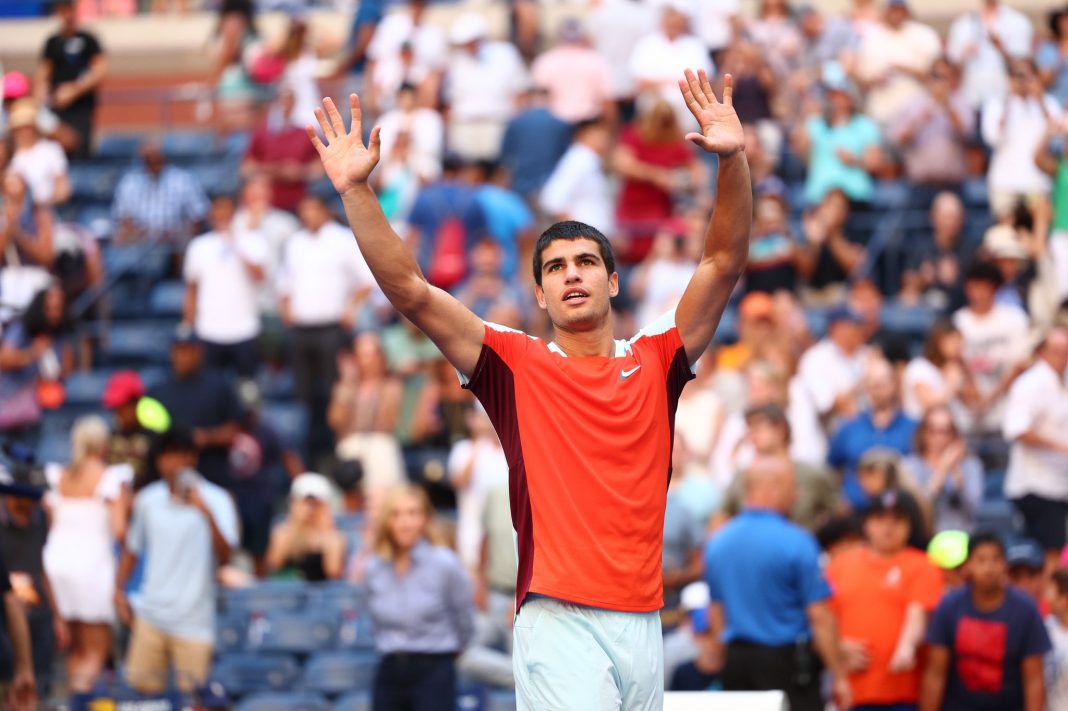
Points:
x=938 y=377
x=87 y=514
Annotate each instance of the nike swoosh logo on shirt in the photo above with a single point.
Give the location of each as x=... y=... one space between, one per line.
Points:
x=624 y=374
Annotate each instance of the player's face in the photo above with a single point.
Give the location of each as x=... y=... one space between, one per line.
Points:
x=576 y=287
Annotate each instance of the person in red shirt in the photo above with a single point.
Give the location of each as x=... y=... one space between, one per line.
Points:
x=280 y=150
x=586 y=421
x=882 y=595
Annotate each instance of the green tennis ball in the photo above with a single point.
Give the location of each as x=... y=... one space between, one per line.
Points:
x=152 y=415
x=948 y=549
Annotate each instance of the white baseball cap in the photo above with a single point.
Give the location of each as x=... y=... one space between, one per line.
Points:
x=310 y=485
x=468 y=27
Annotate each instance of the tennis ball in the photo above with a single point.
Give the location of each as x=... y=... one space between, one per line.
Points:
x=948 y=549
x=152 y=415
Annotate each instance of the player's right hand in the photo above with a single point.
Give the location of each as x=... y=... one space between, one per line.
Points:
x=347 y=161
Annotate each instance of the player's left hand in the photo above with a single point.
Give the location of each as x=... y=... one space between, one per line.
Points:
x=721 y=130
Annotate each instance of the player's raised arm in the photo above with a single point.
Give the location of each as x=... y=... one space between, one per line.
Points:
x=348 y=163
x=727 y=239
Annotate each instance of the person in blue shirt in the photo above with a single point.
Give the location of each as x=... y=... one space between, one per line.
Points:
x=769 y=596
x=883 y=424
x=534 y=142
x=508 y=218
x=986 y=641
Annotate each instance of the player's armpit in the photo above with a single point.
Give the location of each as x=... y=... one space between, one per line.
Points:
x=455 y=330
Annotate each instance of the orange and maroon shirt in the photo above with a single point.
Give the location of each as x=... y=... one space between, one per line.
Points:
x=588 y=442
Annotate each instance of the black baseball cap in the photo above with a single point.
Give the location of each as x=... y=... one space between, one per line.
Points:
x=893 y=501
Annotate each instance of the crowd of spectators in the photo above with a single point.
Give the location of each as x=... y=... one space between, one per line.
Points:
x=822 y=444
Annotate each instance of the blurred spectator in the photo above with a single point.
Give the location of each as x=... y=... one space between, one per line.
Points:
x=658 y=282
x=158 y=202
x=482 y=82
x=39 y=161
x=817 y=499
x=128 y=442
x=578 y=189
x=27 y=246
x=406 y=49
x=417 y=361
x=775 y=32
x=307 y=545
x=768 y=592
x=881 y=424
x=841 y=145
x=1050 y=157
x=421 y=607
x=704 y=671
x=935 y=268
x=16 y=86
x=87 y=511
x=364 y=409
x=576 y=78
x=937 y=377
x=18 y=687
x=423 y=129
x=986 y=640
x=445 y=222
x=23 y=532
x=984 y=42
x=1036 y=423
x=183 y=527
x=774 y=254
x=1027 y=566
x=831 y=370
x=879 y=471
x=883 y=593
x=280 y=149
x=222 y=269
x=486 y=288
x=299 y=74
x=830 y=254
x=893 y=59
x=200 y=400
x=931 y=128
x=756 y=329
x=69 y=73
x=323 y=283
x=701 y=410
x=950 y=477
x=620 y=25
x=262 y=464
x=1050 y=57
x=1010 y=249
x=476 y=465
x=717 y=23
x=508 y=218
x=256 y=215
x=659 y=58
x=995 y=345
x=236 y=37
x=1013 y=127
x=353 y=62
x=824 y=38
x=683 y=535
x=534 y=142
x=35 y=349
x=659 y=168
x=1057 y=628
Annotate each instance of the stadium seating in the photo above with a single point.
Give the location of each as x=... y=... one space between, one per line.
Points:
x=299 y=632
x=266 y=596
x=333 y=673
x=167 y=299
x=289 y=420
x=134 y=344
x=360 y=701
x=291 y=701
x=245 y=673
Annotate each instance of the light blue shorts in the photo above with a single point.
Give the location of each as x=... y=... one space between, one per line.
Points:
x=569 y=657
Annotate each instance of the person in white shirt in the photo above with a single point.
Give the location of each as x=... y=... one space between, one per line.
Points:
x=983 y=42
x=482 y=83
x=995 y=346
x=894 y=59
x=577 y=189
x=1013 y=127
x=660 y=56
x=222 y=269
x=476 y=465
x=1036 y=422
x=40 y=162
x=405 y=48
x=620 y=24
x=425 y=133
x=1057 y=627
x=717 y=22
x=830 y=371
x=256 y=214
x=323 y=282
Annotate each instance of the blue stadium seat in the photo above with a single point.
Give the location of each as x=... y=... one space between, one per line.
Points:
x=500 y=700
x=189 y=144
x=333 y=673
x=97 y=219
x=299 y=632
x=471 y=697
x=93 y=182
x=289 y=701
x=266 y=596
x=998 y=516
x=276 y=384
x=86 y=388
x=993 y=485
x=231 y=632
x=976 y=193
x=289 y=420
x=217 y=177
x=118 y=146
x=137 y=343
x=360 y=701
x=817 y=322
x=54 y=448
x=153 y=375
x=167 y=298
x=236 y=144
x=145 y=260
x=912 y=320
x=246 y=673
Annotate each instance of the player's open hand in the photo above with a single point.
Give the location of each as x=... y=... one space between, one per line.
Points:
x=721 y=130
x=347 y=161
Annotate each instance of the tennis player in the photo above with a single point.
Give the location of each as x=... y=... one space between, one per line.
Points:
x=586 y=421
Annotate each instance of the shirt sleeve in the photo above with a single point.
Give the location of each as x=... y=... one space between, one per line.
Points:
x=1021 y=408
x=941 y=628
x=458 y=457
x=500 y=346
x=461 y=601
x=813 y=585
x=990 y=121
x=225 y=514
x=1035 y=636
x=192 y=267
x=92 y=46
x=715 y=592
